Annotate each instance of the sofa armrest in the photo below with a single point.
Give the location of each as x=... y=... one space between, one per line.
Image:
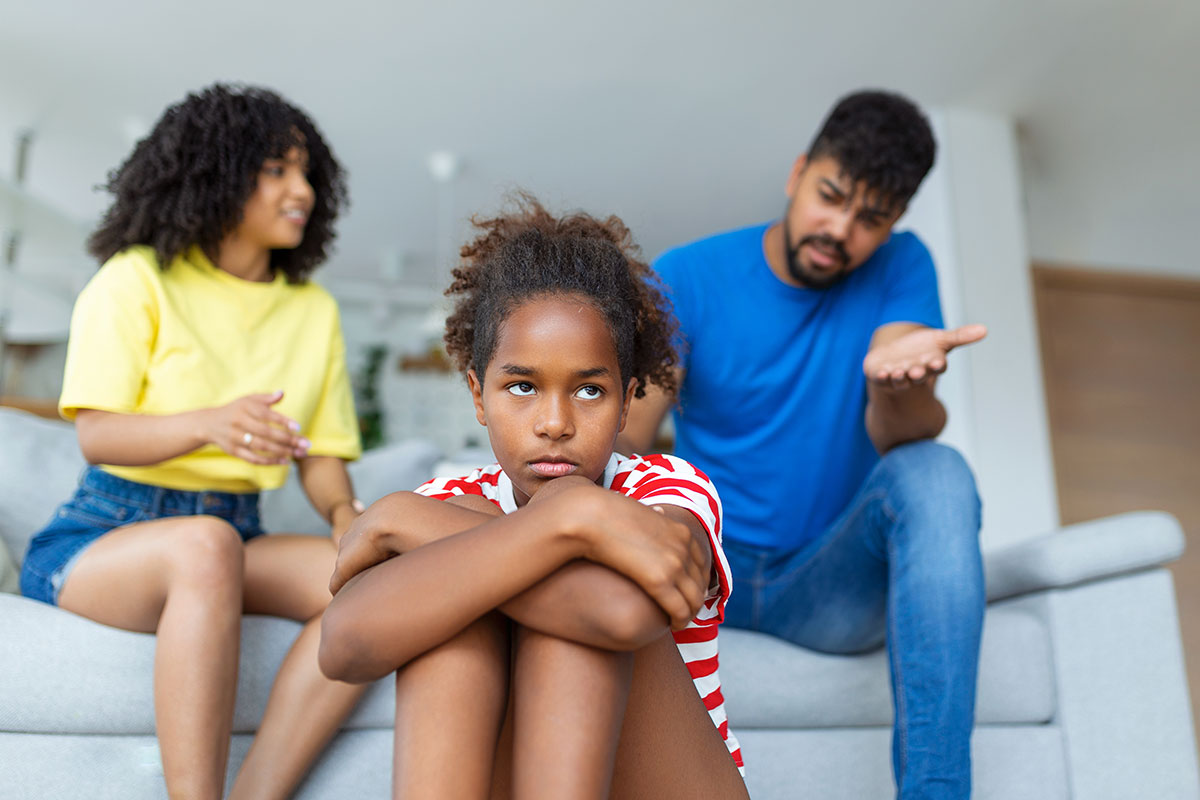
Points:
x=1084 y=552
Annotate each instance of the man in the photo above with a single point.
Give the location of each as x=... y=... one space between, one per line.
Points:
x=812 y=346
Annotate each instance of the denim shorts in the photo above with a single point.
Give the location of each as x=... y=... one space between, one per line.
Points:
x=103 y=502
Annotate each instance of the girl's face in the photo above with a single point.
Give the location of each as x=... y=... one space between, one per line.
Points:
x=277 y=210
x=551 y=397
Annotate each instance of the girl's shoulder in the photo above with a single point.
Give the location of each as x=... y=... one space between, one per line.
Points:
x=484 y=482
x=658 y=464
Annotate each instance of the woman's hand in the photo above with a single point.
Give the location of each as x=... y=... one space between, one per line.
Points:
x=342 y=517
x=249 y=429
x=660 y=554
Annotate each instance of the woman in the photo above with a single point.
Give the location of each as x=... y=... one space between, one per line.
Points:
x=201 y=363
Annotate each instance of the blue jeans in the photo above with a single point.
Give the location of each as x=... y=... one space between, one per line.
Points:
x=103 y=502
x=901 y=566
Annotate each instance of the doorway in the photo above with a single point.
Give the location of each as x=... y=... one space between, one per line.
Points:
x=1121 y=365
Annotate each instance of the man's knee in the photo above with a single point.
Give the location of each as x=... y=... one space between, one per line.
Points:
x=927 y=473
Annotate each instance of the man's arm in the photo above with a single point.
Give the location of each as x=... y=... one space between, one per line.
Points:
x=901 y=368
x=645 y=416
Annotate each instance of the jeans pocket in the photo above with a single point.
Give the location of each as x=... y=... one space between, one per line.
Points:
x=102 y=510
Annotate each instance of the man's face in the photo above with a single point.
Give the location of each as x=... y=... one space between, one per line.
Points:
x=832 y=225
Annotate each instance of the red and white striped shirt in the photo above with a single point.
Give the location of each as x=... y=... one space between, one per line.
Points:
x=653 y=480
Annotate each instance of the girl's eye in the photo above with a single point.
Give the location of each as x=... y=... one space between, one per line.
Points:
x=274 y=170
x=589 y=392
x=521 y=389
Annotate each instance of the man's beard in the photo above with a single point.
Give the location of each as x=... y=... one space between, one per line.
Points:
x=803 y=275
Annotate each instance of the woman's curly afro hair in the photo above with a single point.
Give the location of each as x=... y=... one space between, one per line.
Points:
x=187 y=183
x=530 y=253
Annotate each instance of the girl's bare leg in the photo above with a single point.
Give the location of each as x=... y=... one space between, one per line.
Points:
x=450 y=703
x=669 y=746
x=182 y=579
x=288 y=576
x=568 y=703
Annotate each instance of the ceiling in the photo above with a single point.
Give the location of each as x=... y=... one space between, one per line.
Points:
x=682 y=117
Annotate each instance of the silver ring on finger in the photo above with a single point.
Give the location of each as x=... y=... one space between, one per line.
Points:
x=247 y=438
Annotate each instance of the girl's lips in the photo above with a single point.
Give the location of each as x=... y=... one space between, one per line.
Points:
x=552 y=469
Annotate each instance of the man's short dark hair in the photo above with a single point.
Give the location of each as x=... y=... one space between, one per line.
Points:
x=880 y=139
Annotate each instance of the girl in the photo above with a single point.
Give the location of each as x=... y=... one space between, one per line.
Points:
x=201 y=363
x=530 y=618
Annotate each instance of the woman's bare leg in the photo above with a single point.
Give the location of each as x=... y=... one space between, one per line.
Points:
x=669 y=746
x=450 y=703
x=288 y=576
x=568 y=703
x=182 y=579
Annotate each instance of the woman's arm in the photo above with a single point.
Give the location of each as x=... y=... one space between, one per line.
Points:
x=134 y=440
x=398 y=609
x=327 y=484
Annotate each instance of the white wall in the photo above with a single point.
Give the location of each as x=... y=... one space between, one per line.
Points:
x=1131 y=211
x=969 y=212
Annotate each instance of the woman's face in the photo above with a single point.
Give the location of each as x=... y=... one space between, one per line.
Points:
x=551 y=397
x=278 y=209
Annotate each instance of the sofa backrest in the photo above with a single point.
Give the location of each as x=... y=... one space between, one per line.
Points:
x=40 y=464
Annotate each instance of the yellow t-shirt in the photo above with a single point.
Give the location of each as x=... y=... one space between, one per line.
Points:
x=150 y=341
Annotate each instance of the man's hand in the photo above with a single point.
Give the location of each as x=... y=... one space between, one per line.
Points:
x=914 y=357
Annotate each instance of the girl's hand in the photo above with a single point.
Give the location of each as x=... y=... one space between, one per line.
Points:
x=643 y=543
x=360 y=548
x=249 y=429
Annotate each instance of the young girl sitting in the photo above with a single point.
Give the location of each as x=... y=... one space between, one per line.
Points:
x=201 y=364
x=553 y=618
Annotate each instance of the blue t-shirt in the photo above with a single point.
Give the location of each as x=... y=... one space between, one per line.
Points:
x=773 y=400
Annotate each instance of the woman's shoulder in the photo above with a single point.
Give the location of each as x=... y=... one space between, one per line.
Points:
x=134 y=269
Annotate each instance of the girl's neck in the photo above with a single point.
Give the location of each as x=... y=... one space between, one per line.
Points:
x=244 y=259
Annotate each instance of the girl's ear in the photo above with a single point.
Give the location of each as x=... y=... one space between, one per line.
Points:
x=477 y=396
x=633 y=382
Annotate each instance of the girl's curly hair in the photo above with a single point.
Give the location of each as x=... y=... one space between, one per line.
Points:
x=187 y=183
x=530 y=253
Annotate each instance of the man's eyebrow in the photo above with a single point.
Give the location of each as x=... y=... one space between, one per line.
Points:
x=517 y=369
x=833 y=186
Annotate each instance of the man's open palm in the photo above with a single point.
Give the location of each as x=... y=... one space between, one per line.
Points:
x=915 y=357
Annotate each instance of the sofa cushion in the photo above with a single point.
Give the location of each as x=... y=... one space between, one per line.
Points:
x=769 y=683
x=75 y=676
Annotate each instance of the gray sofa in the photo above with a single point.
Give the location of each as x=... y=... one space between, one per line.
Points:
x=1082 y=692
